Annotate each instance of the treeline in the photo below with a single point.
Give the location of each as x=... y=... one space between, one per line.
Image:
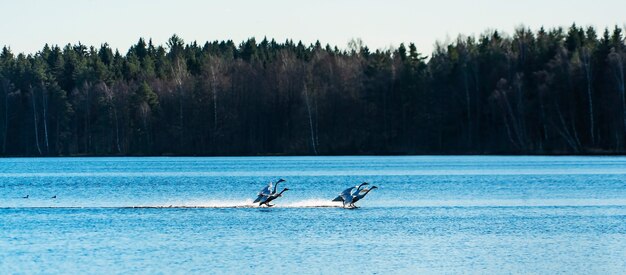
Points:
x=557 y=91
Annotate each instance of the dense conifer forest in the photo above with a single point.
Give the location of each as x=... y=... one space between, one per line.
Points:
x=553 y=91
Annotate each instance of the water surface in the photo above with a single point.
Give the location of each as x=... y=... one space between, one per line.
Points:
x=430 y=214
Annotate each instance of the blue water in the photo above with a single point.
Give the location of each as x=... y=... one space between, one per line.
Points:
x=430 y=215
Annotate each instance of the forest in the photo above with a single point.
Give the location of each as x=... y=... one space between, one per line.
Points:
x=550 y=91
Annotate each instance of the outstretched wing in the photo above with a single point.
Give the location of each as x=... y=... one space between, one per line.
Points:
x=265 y=192
x=259 y=198
x=343 y=196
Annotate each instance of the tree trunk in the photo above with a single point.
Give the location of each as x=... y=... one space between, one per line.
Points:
x=468 y=104
x=57 y=143
x=317 y=136
x=44 y=101
x=521 y=114
x=616 y=61
x=565 y=132
x=477 y=107
x=587 y=67
x=109 y=96
x=576 y=133
x=543 y=118
x=214 y=88
x=87 y=118
x=32 y=96
x=181 y=119
x=6 y=116
x=308 y=107
x=516 y=127
x=620 y=85
x=508 y=130
x=117 y=131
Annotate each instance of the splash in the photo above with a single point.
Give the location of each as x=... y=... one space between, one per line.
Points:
x=308 y=203
x=204 y=204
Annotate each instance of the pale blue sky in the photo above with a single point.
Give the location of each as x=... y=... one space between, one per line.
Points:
x=26 y=25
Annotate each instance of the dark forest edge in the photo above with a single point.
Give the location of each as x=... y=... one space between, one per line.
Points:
x=557 y=91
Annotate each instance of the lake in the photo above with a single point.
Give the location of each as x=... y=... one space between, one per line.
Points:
x=430 y=214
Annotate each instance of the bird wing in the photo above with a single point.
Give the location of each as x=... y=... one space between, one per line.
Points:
x=338 y=198
x=259 y=198
x=361 y=194
x=267 y=190
x=346 y=194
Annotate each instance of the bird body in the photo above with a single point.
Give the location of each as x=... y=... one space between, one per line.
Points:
x=344 y=194
x=268 y=199
x=269 y=194
x=353 y=194
x=361 y=195
x=348 y=193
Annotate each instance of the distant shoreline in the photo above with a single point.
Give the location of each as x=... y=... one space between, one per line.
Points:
x=337 y=155
x=546 y=92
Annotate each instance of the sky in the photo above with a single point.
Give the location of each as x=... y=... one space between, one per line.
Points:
x=26 y=25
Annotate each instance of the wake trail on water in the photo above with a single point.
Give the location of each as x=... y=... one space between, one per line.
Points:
x=307 y=203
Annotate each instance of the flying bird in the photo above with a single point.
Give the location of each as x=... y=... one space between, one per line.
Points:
x=360 y=195
x=349 y=192
x=353 y=194
x=269 y=193
x=268 y=199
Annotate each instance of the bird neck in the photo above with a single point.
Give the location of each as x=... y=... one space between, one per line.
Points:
x=281 y=192
x=275 y=186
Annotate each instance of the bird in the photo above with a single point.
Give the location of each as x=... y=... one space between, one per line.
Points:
x=54 y=197
x=360 y=195
x=350 y=196
x=349 y=192
x=25 y=197
x=268 y=190
x=268 y=199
